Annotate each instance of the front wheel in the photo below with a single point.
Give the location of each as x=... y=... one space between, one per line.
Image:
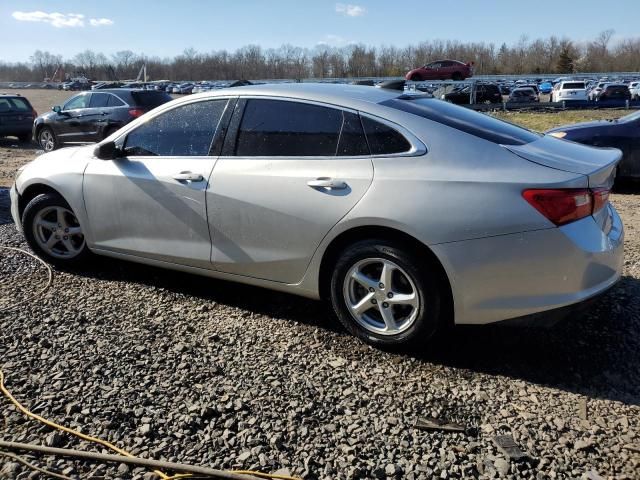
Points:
x=53 y=231
x=47 y=139
x=386 y=295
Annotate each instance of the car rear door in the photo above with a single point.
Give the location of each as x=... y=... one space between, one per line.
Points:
x=150 y=202
x=289 y=171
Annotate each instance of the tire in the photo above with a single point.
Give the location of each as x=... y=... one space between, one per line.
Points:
x=47 y=139
x=47 y=218
x=457 y=76
x=414 y=324
x=416 y=78
x=25 y=138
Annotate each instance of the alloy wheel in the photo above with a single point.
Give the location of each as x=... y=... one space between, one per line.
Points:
x=381 y=296
x=58 y=233
x=47 y=140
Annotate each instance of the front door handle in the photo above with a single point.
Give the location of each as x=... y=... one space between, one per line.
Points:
x=326 y=182
x=188 y=177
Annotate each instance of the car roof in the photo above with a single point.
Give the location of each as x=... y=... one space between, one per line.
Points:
x=350 y=96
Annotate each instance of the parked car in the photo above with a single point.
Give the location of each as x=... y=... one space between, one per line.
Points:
x=545 y=87
x=441 y=70
x=532 y=86
x=623 y=134
x=485 y=93
x=92 y=116
x=614 y=91
x=68 y=86
x=593 y=93
x=523 y=95
x=568 y=90
x=634 y=90
x=16 y=116
x=338 y=192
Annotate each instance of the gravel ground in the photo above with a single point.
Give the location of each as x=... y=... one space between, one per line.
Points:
x=183 y=368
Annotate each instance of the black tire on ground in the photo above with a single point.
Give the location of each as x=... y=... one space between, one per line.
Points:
x=456 y=76
x=423 y=275
x=416 y=78
x=47 y=146
x=42 y=203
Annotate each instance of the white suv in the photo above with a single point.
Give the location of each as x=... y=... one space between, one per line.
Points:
x=569 y=90
x=634 y=89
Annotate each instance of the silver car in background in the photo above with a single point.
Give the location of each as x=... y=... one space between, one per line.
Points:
x=406 y=212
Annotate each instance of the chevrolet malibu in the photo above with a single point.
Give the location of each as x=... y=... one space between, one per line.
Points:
x=407 y=213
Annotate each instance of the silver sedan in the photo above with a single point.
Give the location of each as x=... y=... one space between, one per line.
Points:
x=405 y=212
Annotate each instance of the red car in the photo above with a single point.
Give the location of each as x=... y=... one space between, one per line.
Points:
x=442 y=70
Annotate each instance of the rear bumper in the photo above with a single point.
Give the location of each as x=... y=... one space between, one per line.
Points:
x=15 y=129
x=512 y=276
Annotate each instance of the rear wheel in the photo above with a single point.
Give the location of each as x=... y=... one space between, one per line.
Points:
x=456 y=76
x=385 y=295
x=416 y=78
x=53 y=232
x=47 y=139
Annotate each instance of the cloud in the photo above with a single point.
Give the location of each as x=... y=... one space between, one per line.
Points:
x=350 y=10
x=58 y=20
x=99 y=22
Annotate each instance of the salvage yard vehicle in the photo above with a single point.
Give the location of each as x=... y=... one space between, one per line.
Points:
x=16 y=116
x=623 y=133
x=614 y=91
x=523 y=95
x=406 y=212
x=485 y=93
x=441 y=70
x=569 y=90
x=92 y=116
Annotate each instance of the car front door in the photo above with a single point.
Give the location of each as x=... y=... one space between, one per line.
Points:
x=96 y=116
x=289 y=171
x=150 y=202
x=69 y=124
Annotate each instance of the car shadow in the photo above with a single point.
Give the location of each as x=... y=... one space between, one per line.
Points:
x=595 y=353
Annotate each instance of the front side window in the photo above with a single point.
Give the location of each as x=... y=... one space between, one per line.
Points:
x=186 y=130
x=283 y=128
x=79 y=101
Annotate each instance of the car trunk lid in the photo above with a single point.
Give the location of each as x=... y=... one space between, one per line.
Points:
x=597 y=164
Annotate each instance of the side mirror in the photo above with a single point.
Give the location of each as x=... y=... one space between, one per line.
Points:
x=106 y=151
x=57 y=109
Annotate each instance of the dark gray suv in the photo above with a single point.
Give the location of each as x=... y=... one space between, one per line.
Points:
x=16 y=116
x=91 y=116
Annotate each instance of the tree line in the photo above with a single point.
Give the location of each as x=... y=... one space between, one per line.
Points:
x=526 y=56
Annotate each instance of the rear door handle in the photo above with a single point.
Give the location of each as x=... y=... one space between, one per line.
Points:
x=188 y=177
x=326 y=182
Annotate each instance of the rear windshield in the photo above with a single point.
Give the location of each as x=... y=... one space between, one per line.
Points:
x=464 y=119
x=150 y=99
x=573 y=86
x=13 y=104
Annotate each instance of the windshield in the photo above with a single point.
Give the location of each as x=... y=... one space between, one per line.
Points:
x=464 y=119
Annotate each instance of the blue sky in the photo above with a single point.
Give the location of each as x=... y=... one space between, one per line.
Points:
x=165 y=29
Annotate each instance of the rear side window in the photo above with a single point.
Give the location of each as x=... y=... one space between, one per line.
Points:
x=352 y=140
x=20 y=105
x=284 y=128
x=99 y=100
x=463 y=119
x=186 y=130
x=150 y=99
x=115 y=102
x=384 y=140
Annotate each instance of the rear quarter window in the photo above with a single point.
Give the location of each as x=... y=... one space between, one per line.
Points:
x=463 y=119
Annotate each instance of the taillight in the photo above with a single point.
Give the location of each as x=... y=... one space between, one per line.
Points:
x=34 y=113
x=136 y=112
x=567 y=205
